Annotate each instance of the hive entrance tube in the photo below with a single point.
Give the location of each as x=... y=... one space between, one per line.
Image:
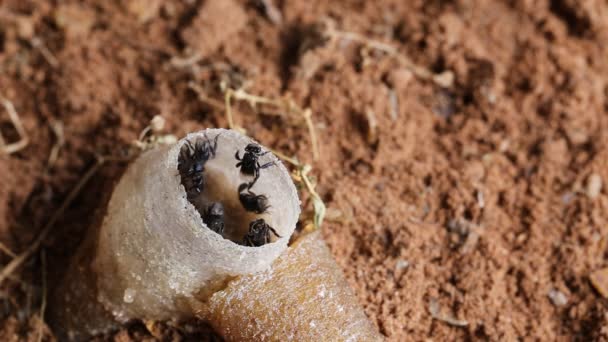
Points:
x=152 y=249
x=153 y=256
x=223 y=180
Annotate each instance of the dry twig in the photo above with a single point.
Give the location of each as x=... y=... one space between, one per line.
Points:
x=16 y=121
x=7 y=250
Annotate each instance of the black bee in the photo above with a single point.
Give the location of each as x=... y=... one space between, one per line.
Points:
x=252 y=202
x=191 y=164
x=214 y=217
x=259 y=233
x=249 y=164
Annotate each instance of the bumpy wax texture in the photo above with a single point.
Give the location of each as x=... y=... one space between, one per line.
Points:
x=302 y=297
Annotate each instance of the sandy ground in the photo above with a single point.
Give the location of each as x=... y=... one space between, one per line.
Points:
x=478 y=200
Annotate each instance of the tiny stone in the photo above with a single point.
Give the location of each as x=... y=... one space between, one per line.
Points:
x=157 y=124
x=402 y=264
x=129 y=295
x=480 y=199
x=557 y=297
x=594 y=185
x=599 y=280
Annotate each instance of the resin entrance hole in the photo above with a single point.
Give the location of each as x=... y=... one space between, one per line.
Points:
x=221 y=184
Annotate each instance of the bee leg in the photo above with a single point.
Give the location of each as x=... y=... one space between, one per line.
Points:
x=215 y=144
x=274 y=232
x=256 y=174
x=236 y=155
x=269 y=164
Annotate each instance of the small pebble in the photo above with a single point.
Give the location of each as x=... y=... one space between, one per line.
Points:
x=594 y=185
x=599 y=280
x=557 y=297
x=129 y=295
x=402 y=264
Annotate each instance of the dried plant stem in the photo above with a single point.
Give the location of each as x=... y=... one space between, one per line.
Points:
x=10 y=268
x=286 y=105
x=57 y=129
x=44 y=294
x=204 y=98
x=37 y=43
x=445 y=79
x=228 y=108
x=301 y=176
x=16 y=121
x=313 y=134
x=7 y=250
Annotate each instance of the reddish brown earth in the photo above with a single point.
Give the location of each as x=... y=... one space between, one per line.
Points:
x=474 y=197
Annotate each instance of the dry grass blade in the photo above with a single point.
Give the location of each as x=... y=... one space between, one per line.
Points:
x=317 y=202
x=228 y=107
x=16 y=121
x=12 y=266
x=313 y=134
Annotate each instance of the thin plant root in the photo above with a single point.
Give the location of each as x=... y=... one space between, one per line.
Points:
x=16 y=121
x=444 y=79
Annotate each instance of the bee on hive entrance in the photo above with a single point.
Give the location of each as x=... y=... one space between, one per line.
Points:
x=191 y=164
x=249 y=164
x=252 y=202
x=259 y=233
x=214 y=217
